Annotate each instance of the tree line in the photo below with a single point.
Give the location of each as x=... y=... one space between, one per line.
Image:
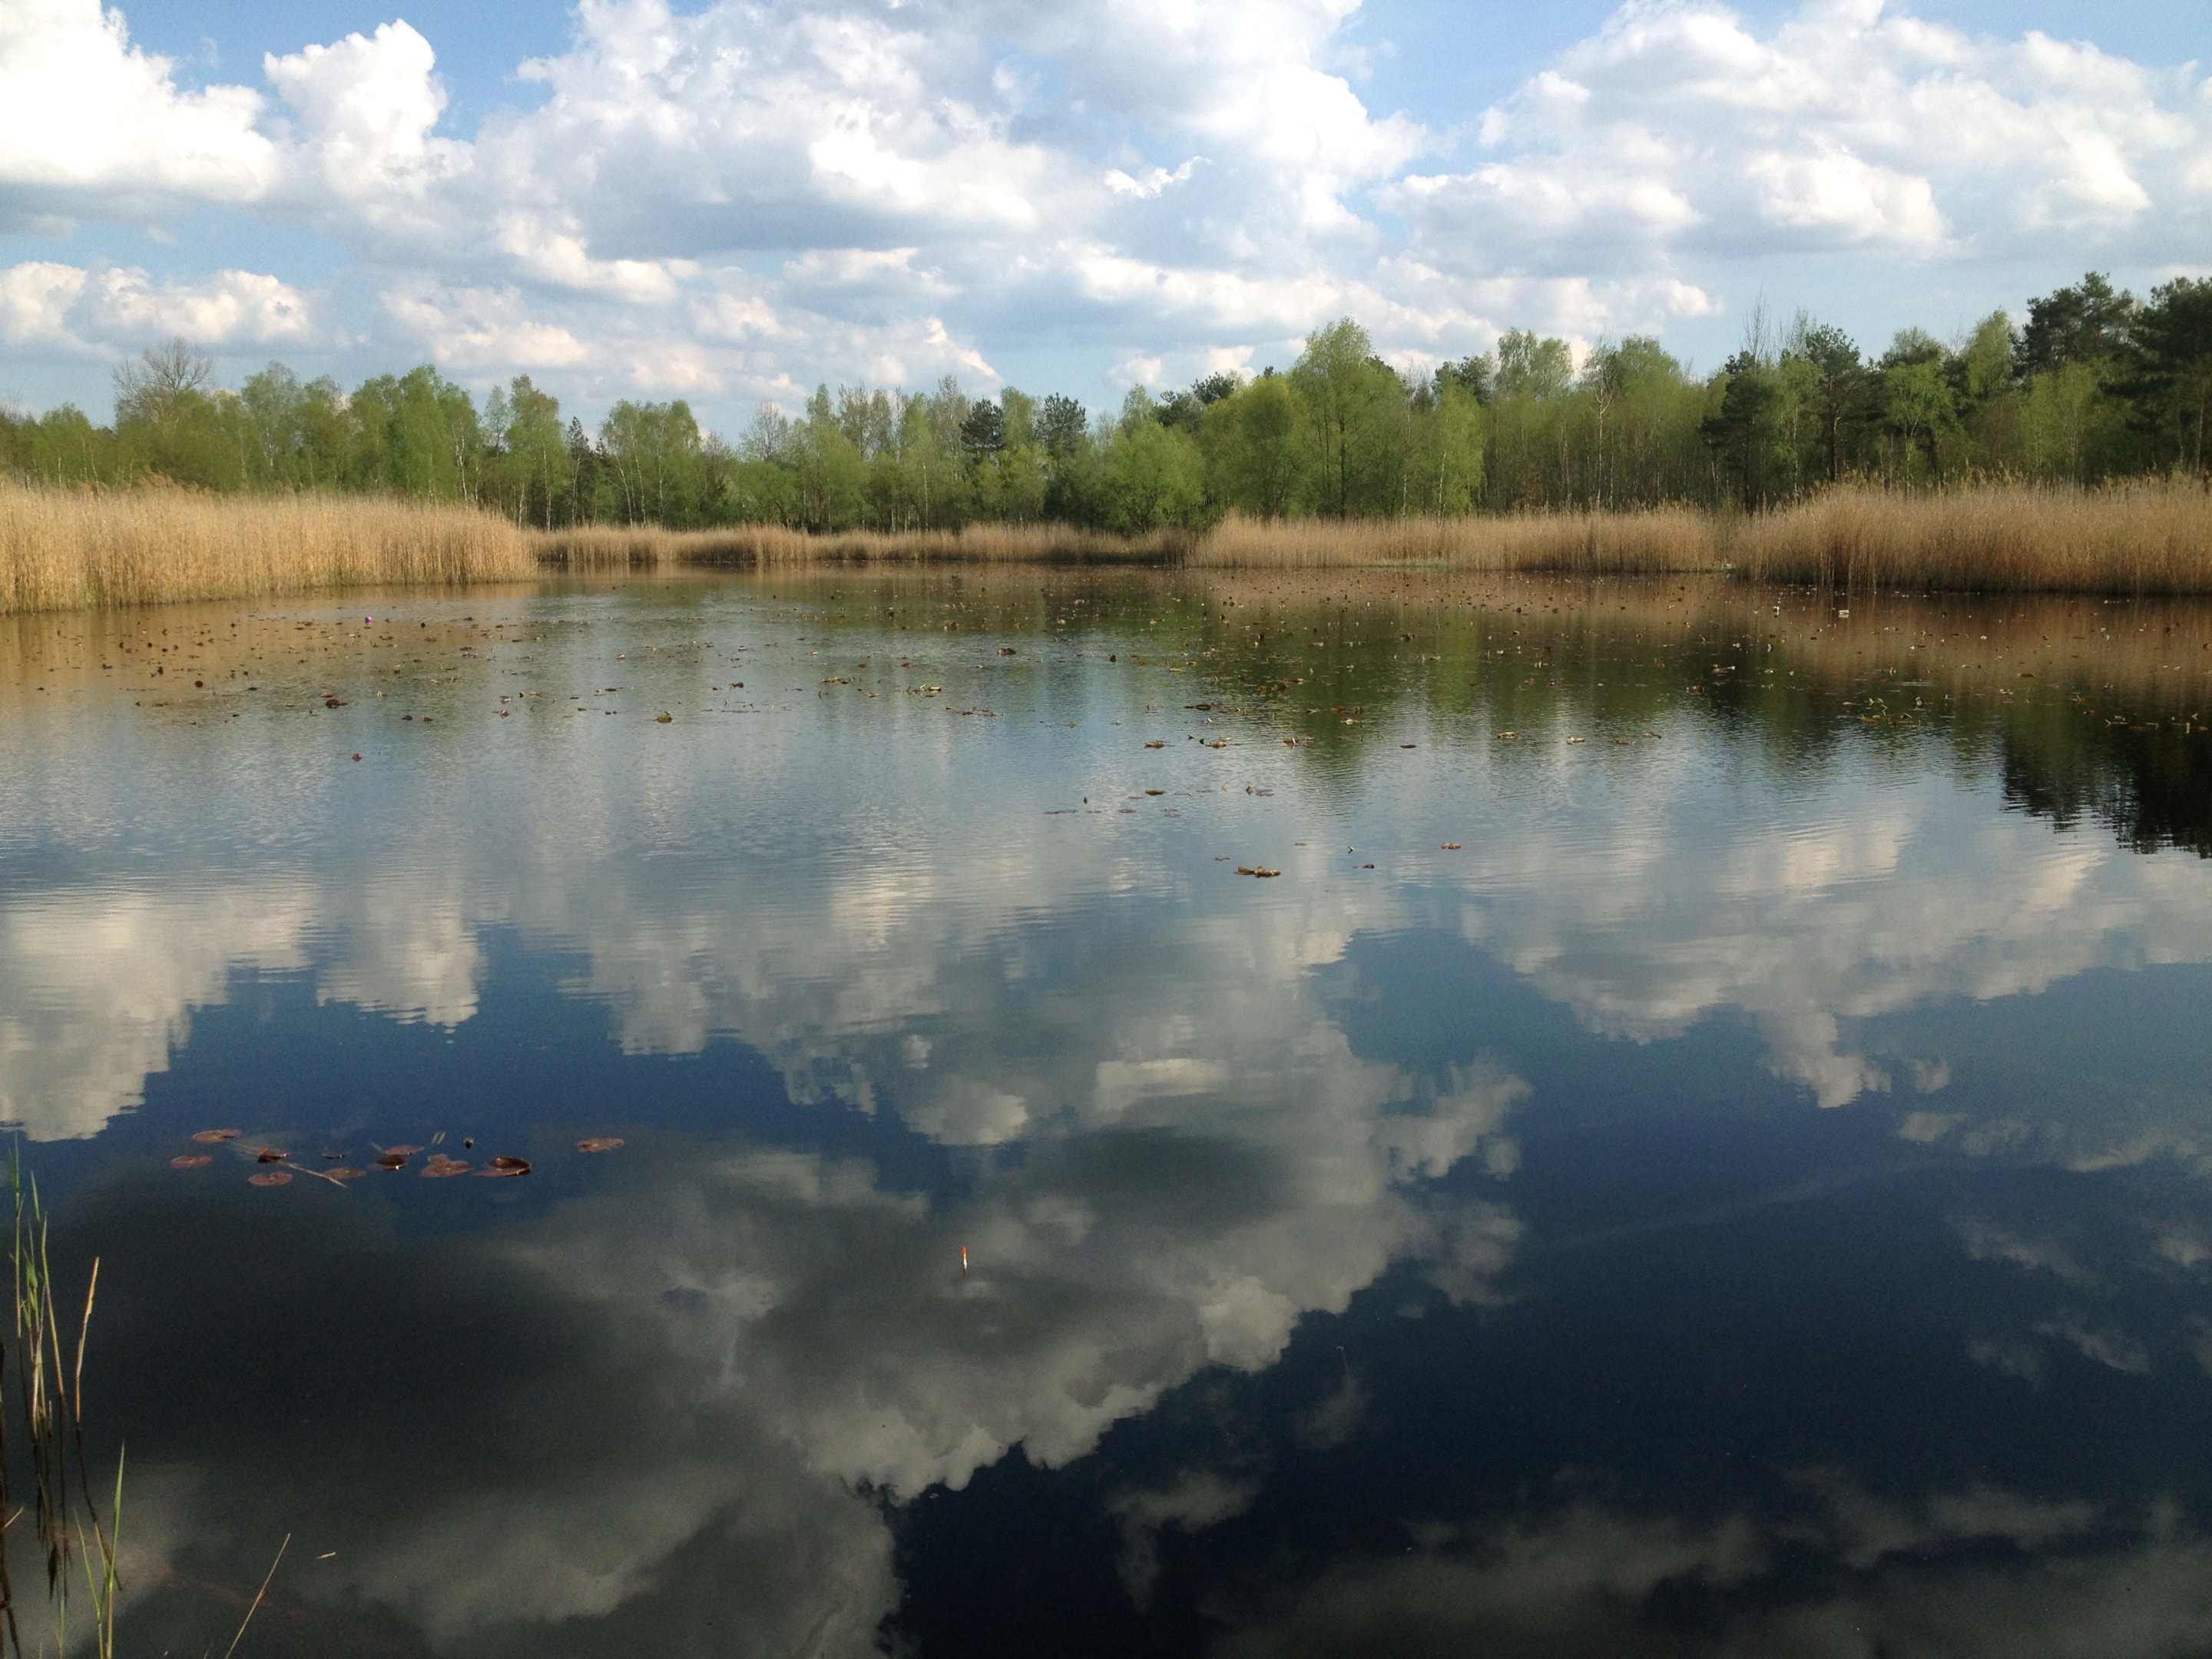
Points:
x=2096 y=384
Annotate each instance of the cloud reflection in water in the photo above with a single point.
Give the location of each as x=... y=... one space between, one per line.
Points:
x=689 y=1397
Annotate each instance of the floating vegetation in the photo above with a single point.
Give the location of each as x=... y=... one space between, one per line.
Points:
x=438 y=1166
x=600 y=1144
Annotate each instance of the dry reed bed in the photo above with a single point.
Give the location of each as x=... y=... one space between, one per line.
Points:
x=647 y=547
x=2144 y=537
x=69 y=548
x=1666 y=540
x=73 y=549
x=1661 y=540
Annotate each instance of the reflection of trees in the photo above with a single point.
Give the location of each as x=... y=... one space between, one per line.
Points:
x=2152 y=789
x=2116 y=734
x=1545 y=657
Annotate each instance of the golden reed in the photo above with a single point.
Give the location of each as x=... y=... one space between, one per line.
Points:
x=646 y=546
x=2147 y=537
x=1668 y=538
x=63 y=549
x=1674 y=538
x=71 y=549
x=2142 y=538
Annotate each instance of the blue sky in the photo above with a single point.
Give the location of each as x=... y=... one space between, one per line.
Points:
x=731 y=202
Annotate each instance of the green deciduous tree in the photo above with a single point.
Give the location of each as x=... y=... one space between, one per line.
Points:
x=1153 y=474
x=1251 y=445
x=2096 y=385
x=654 y=462
x=1352 y=407
x=415 y=434
x=531 y=470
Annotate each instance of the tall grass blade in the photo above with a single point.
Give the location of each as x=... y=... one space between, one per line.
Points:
x=258 y=1595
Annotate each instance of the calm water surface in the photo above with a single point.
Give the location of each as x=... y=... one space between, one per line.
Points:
x=1721 y=1169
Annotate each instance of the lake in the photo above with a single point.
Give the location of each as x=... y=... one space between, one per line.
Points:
x=1250 y=1115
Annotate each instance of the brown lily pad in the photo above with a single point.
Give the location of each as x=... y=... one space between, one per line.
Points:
x=439 y=1168
x=209 y=1137
x=391 y=1161
x=507 y=1166
x=190 y=1163
x=270 y=1178
x=600 y=1144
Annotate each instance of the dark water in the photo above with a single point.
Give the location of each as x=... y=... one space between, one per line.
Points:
x=1748 y=1195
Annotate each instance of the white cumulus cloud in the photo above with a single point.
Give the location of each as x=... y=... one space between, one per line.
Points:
x=52 y=307
x=741 y=197
x=90 y=123
x=1680 y=130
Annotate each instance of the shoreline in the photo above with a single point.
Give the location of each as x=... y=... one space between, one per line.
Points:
x=63 y=551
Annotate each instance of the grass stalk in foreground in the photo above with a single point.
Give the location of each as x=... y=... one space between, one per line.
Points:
x=258 y=1595
x=51 y=1394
